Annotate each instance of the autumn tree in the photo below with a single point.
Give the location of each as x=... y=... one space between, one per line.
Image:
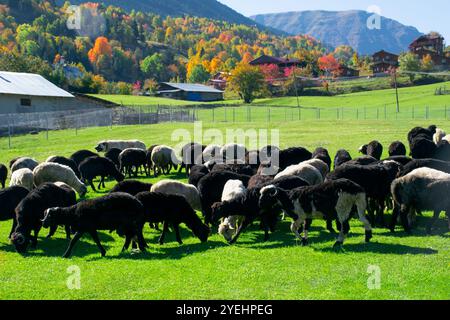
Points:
x=199 y=74
x=328 y=64
x=100 y=57
x=247 y=81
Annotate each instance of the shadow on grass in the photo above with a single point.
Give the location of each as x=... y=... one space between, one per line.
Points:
x=380 y=248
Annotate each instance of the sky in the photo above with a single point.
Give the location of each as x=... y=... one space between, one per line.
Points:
x=429 y=15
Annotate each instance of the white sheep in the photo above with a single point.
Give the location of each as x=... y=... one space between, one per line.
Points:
x=22 y=177
x=106 y=145
x=163 y=159
x=54 y=172
x=319 y=165
x=303 y=170
x=229 y=225
x=174 y=187
x=24 y=162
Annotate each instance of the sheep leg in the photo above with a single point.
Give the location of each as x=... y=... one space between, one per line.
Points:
x=395 y=214
x=127 y=243
x=34 y=239
x=92 y=185
x=52 y=231
x=67 y=227
x=265 y=226
x=380 y=213
x=361 y=205
x=330 y=226
x=177 y=233
x=247 y=221
x=72 y=243
x=433 y=221
x=94 y=236
x=163 y=235
x=307 y=226
x=404 y=219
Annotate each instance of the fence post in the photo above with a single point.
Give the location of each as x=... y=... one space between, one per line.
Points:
x=111 y=119
x=378 y=113
x=299 y=114
x=357 y=114
x=268 y=114
x=213 y=118
x=385 y=112
x=337 y=113
x=140 y=110
x=46 y=122
x=427 y=112
x=234 y=115
x=9 y=131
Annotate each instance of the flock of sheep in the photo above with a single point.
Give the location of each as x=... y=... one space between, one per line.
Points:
x=231 y=186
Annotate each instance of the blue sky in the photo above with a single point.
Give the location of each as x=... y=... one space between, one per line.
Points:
x=429 y=15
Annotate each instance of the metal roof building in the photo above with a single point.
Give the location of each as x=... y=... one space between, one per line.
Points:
x=189 y=91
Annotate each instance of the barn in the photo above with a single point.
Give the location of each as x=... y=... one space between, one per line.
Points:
x=189 y=92
x=27 y=93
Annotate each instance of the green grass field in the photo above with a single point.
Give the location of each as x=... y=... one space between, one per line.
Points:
x=412 y=267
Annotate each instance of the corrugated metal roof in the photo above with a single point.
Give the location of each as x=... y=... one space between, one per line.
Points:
x=193 y=87
x=29 y=84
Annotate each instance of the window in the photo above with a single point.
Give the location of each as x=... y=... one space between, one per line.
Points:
x=25 y=102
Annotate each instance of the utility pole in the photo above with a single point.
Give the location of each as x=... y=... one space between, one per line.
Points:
x=396 y=89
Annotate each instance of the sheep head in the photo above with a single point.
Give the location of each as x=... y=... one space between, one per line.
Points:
x=20 y=242
x=268 y=197
x=102 y=146
x=49 y=217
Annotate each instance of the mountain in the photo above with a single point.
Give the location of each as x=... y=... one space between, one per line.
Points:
x=201 y=8
x=337 y=28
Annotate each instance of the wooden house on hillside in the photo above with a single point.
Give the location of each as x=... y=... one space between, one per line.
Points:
x=431 y=44
x=282 y=63
x=383 y=61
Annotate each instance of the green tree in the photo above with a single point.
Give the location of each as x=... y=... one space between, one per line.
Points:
x=247 y=81
x=199 y=74
x=153 y=66
x=409 y=62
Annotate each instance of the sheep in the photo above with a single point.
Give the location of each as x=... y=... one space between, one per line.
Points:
x=30 y=211
x=24 y=163
x=3 y=174
x=373 y=149
x=258 y=180
x=9 y=199
x=375 y=179
x=443 y=151
x=231 y=190
x=132 y=158
x=291 y=156
x=118 y=212
x=421 y=189
x=397 y=148
x=172 y=210
x=232 y=153
x=113 y=155
x=99 y=167
x=106 y=145
x=363 y=161
x=329 y=200
x=148 y=157
x=403 y=160
x=54 y=172
x=175 y=187
x=236 y=168
x=323 y=168
x=305 y=171
x=422 y=148
x=440 y=165
x=196 y=173
x=191 y=154
x=342 y=156
x=322 y=154
x=211 y=186
x=12 y=161
x=22 y=177
x=426 y=133
x=212 y=153
x=132 y=187
x=163 y=159
x=81 y=155
x=66 y=162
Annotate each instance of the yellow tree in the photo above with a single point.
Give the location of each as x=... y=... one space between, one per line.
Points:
x=247 y=81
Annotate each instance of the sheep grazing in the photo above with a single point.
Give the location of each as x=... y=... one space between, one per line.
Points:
x=229 y=225
x=322 y=154
x=303 y=170
x=178 y=188
x=24 y=162
x=118 y=212
x=81 y=155
x=342 y=156
x=423 y=189
x=9 y=199
x=440 y=165
x=132 y=187
x=65 y=162
x=323 y=168
x=325 y=200
x=196 y=173
x=94 y=167
x=291 y=156
x=373 y=149
x=164 y=159
x=54 y=172
x=191 y=154
x=132 y=158
x=211 y=186
x=3 y=175
x=233 y=153
x=105 y=146
x=22 y=177
x=30 y=211
x=397 y=148
x=113 y=155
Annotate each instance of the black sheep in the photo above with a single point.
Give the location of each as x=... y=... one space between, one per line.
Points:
x=191 y=154
x=79 y=156
x=440 y=165
x=66 y=162
x=12 y=161
x=258 y=180
x=30 y=212
x=196 y=173
x=292 y=156
x=132 y=187
x=132 y=158
x=118 y=212
x=403 y=160
x=148 y=157
x=373 y=149
x=422 y=148
x=236 y=168
x=113 y=155
x=426 y=133
x=397 y=148
x=99 y=167
x=322 y=154
x=362 y=161
x=342 y=156
x=211 y=186
x=172 y=210
x=3 y=175
x=443 y=151
x=9 y=199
